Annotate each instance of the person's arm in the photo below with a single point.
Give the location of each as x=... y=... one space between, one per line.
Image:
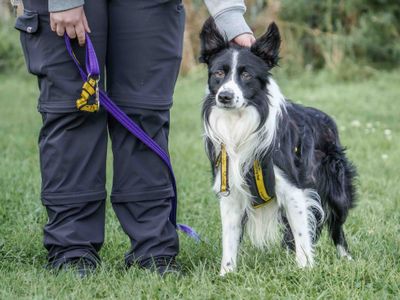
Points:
x=228 y=16
x=68 y=16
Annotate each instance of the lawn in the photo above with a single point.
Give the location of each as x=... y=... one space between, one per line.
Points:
x=367 y=112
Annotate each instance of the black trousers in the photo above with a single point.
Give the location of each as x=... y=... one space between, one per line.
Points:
x=139 y=47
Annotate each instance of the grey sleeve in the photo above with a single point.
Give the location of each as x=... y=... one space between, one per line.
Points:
x=60 y=5
x=228 y=16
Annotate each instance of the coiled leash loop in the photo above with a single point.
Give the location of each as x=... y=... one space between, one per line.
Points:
x=90 y=88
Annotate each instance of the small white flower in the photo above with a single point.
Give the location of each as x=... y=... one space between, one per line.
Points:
x=387 y=132
x=355 y=123
x=385 y=156
x=369 y=125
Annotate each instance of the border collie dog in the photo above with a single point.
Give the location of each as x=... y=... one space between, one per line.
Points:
x=276 y=164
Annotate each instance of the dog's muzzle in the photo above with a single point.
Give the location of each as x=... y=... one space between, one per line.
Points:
x=226 y=99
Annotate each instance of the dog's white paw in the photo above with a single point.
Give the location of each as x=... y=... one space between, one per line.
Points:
x=304 y=262
x=343 y=253
x=225 y=269
x=348 y=257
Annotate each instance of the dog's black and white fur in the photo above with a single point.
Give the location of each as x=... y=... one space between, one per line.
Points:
x=245 y=110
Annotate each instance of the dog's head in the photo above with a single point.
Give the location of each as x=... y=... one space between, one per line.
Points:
x=238 y=76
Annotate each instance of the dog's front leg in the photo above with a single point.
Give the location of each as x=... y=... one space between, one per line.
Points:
x=232 y=211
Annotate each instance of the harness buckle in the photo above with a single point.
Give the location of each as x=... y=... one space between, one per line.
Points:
x=225 y=193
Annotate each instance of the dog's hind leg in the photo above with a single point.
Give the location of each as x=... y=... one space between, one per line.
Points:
x=338 y=237
x=337 y=175
x=232 y=212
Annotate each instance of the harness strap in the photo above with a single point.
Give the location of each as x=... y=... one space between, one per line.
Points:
x=260 y=184
x=93 y=71
x=223 y=161
x=257 y=185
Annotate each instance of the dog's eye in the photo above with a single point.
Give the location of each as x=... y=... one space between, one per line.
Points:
x=245 y=75
x=219 y=74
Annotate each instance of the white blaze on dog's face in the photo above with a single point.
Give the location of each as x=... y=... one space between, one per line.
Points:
x=229 y=94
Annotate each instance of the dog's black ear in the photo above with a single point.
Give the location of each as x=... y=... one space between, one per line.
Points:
x=267 y=46
x=211 y=40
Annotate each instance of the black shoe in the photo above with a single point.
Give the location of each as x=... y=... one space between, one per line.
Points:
x=81 y=265
x=163 y=265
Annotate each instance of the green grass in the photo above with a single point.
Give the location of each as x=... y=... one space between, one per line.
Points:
x=372 y=228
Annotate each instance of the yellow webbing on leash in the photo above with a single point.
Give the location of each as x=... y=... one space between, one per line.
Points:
x=89 y=88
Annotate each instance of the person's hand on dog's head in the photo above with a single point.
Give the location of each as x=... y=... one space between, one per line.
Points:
x=244 y=40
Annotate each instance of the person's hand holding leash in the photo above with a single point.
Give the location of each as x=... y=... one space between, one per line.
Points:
x=72 y=21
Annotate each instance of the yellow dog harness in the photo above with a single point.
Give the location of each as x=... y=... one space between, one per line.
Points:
x=256 y=179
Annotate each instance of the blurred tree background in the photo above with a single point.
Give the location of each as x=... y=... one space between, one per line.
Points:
x=350 y=38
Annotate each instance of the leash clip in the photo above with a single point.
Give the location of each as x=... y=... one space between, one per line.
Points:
x=97 y=95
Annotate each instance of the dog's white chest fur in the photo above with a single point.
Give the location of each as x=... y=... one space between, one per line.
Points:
x=234 y=128
x=236 y=131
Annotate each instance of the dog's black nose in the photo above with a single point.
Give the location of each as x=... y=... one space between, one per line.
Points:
x=225 y=97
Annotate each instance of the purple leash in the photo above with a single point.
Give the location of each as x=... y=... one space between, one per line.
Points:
x=93 y=70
